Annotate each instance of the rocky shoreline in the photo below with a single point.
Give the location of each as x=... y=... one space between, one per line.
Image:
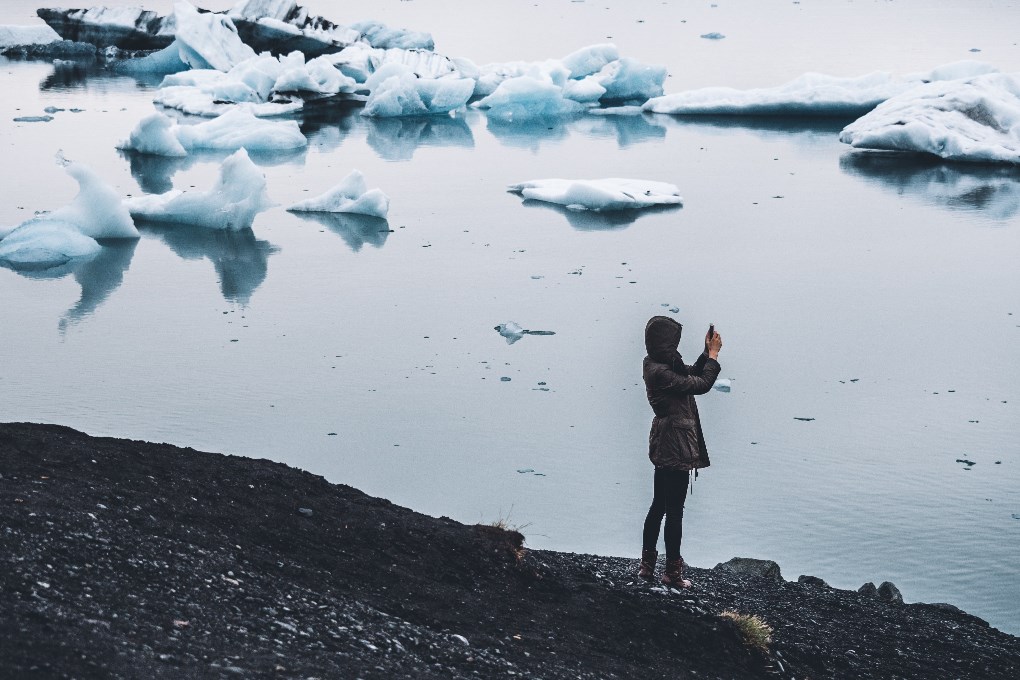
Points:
x=125 y=559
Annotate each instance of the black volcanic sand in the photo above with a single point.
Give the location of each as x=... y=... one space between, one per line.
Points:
x=129 y=559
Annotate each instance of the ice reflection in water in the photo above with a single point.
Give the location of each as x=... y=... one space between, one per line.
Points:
x=355 y=230
x=606 y=220
x=992 y=190
x=241 y=260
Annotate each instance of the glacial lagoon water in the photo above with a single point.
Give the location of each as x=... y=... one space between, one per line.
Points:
x=874 y=295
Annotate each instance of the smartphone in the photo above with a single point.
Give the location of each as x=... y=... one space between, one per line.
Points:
x=711 y=330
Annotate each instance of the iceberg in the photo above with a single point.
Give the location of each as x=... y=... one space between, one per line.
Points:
x=814 y=94
x=53 y=239
x=627 y=79
x=236 y=129
x=971 y=120
x=590 y=60
x=599 y=194
x=527 y=98
x=208 y=40
x=162 y=62
x=238 y=195
x=22 y=36
x=128 y=28
x=397 y=91
x=378 y=34
x=350 y=196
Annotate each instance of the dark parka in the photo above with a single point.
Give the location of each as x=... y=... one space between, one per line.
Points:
x=676 y=441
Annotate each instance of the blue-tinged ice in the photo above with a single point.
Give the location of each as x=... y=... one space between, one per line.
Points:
x=352 y=195
x=589 y=60
x=23 y=36
x=378 y=34
x=973 y=120
x=397 y=91
x=527 y=98
x=161 y=62
x=511 y=331
x=809 y=94
x=232 y=204
x=208 y=40
x=238 y=128
x=599 y=194
x=627 y=79
x=55 y=238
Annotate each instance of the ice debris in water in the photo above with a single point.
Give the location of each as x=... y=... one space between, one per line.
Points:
x=722 y=384
x=397 y=91
x=238 y=195
x=236 y=129
x=55 y=238
x=350 y=196
x=714 y=35
x=974 y=120
x=600 y=194
x=513 y=332
x=809 y=94
x=528 y=98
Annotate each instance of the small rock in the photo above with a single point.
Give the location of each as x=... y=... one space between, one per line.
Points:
x=806 y=420
x=812 y=581
x=461 y=639
x=504 y=379
x=888 y=592
x=868 y=590
x=748 y=566
x=307 y=512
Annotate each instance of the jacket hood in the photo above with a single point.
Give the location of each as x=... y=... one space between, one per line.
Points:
x=662 y=338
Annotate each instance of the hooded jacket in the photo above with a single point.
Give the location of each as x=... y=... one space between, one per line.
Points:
x=676 y=440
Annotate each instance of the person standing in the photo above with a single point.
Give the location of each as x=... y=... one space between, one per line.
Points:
x=676 y=444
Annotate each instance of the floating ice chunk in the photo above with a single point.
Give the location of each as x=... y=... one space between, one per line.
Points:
x=129 y=28
x=974 y=120
x=317 y=75
x=236 y=129
x=589 y=60
x=722 y=384
x=45 y=244
x=627 y=78
x=165 y=61
x=586 y=90
x=527 y=98
x=208 y=40
x=196 y=102
x=600 y=194
x=396 y=91
x=511 y=331
x=380 y=35
x=350 y=196
x=21 y=36
x=714 y=35
x=96 y=210
x=491 y=76
x=238 y=195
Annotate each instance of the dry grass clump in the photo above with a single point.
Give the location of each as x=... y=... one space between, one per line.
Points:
x=755 y=631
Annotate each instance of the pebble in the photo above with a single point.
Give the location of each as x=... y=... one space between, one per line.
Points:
x=307 y=512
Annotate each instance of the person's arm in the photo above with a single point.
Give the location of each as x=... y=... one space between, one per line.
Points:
x=711 y=352
x=701 y=376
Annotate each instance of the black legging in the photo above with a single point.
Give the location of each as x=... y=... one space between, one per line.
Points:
x=668 y=496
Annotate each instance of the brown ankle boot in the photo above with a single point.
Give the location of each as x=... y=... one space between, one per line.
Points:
x=674 y=576
x=647 y=568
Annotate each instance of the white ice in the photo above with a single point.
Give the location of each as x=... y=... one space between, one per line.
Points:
x=352 y=195
x=591 y=59
x=809 y=94
x=627 y=79
x=18 y=36
x=511 y=331
x=396 y=91
x=380 y=35
x=232 y=204
x=722 y=385
x=976 y=120
x=54 y=238
x=208 y=40
x=527 y=98
x=599 y=194
x=238 y=128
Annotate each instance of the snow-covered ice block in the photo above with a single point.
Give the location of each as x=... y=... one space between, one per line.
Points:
x=626 y=79
x=490 y=76
x=585 y=90
x=396 y=91
x=722 y=385
x=378 y=34
x=20 y=36
x=96 y=210
x=975 y=120
x=238 y=128
x=599 y=194
x=589 y=60
x=318 y=76
x=208 y=40
x=527 y=98
x=196 y=102
x=45 y=244
x=232 y=204
x=352 y=195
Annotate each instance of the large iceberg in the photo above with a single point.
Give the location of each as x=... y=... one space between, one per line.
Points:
x=599 y=194
x=129 y=28
x=975 y=120
x=69 y=233
x=352 y=195
x=814 y=94
x=397 y=91
x=236 y=129
x=232 y=204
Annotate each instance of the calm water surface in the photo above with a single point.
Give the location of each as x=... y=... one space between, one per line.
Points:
x=877 y=296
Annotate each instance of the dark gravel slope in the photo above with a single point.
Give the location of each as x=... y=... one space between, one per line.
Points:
x=138 y=560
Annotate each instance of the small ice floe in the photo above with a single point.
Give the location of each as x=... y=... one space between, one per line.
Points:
x=722 y=385
x=56 y=238
x=352 y=195
x=33 y=119
x=599 y=194
x=513 y=332
x=973 y=120
x=810 y=94
x=238 y=195
x=714 y=35
x=238 y=128
x=397 y=91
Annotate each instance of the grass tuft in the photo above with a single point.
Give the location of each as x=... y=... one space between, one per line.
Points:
x=753 y=629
